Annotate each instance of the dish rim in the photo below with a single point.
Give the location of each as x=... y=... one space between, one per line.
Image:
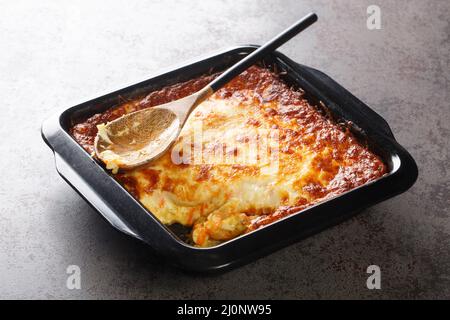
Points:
x=403 y=162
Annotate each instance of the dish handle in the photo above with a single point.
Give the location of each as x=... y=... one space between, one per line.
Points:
x=83 y=189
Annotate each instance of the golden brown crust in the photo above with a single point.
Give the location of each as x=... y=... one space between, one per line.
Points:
x=317 y=158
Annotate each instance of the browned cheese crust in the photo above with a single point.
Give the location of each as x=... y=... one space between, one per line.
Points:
x=317 y=159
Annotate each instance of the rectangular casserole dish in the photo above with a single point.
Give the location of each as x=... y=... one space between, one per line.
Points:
x=126 y=214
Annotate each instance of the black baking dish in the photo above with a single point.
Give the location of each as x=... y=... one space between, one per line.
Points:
x=126 y=214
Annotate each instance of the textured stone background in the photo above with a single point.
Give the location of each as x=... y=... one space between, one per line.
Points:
x=55 y=54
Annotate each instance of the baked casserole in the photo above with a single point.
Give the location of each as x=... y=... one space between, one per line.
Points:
x=254 y=152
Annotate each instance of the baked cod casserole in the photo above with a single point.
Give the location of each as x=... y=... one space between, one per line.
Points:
x=254 y=152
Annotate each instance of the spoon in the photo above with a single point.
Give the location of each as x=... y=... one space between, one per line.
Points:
x=142 y=136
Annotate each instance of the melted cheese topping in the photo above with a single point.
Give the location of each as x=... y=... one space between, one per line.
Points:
x=214 y=179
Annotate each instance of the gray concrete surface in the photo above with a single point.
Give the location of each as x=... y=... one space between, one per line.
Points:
x=55 y=54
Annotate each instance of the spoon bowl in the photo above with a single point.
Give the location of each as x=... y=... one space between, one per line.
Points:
x=136 y=138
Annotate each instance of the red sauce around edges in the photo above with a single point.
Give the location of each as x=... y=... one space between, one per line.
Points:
x=313 y=129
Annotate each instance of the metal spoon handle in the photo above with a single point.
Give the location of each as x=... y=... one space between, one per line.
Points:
x=259 y=53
